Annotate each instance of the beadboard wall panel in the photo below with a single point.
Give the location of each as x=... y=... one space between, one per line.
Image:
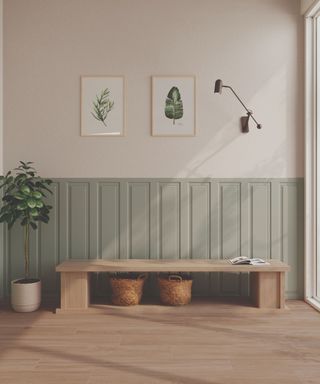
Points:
x=169 y=219
x=108 y=223
x=229 y=219
x=78 y=220
x=138 y=220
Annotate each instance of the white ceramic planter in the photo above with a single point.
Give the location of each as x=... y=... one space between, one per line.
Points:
x=25 y=297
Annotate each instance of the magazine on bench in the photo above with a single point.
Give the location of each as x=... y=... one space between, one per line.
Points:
x=244 y=260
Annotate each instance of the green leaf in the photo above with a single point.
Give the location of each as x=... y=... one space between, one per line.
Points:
x=5 y=208
x=43 y=218
x=174 y=106
x=25 y=189
x=39 y=204
x=7 y=198
x=44 y=187
x=30 y=184
x=19 y=196
x=22 y=206
x=31 y=203
x=36 y=194
x=3 y=218
x=34 y=212
x=33 y=225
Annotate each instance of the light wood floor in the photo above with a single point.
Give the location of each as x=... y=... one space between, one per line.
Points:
x=201 y=343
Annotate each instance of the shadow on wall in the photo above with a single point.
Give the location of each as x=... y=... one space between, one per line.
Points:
x=230 y=149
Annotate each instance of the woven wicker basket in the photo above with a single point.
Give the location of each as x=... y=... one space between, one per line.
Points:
x=127 y=291
x=174 y=290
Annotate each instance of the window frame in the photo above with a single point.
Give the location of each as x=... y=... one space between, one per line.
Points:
x=312 y=121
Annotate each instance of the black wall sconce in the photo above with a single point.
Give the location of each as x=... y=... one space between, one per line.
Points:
x=244 y=119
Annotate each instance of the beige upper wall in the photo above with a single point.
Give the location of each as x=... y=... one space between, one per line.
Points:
x=253 y=45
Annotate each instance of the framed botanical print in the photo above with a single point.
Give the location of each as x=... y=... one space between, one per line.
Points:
x=102 y=106
x=173 y=106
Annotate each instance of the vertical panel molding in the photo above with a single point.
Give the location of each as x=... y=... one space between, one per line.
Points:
x=78 y=220
x=169 y=226
x=109 y=221
x=139 y=220
x=230 y=221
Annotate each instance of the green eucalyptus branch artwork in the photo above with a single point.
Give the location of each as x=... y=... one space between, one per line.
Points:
x=102 y=106
x=174 y=106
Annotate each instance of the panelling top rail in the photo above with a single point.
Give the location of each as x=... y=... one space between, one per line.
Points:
x=139 y=265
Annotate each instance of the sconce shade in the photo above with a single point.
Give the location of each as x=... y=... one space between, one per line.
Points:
x=218 y=86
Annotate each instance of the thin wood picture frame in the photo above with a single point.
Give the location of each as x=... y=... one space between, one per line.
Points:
x=173 y=106
x=102 y=105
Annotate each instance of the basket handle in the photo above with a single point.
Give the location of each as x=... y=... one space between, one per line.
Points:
x=175 y=278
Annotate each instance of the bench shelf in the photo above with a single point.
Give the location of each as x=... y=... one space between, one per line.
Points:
x=267 y=287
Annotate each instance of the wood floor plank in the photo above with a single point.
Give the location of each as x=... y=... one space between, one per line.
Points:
x=205 y=342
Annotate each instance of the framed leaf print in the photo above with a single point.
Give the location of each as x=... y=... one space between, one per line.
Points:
x=173 y=106
x=102 y=106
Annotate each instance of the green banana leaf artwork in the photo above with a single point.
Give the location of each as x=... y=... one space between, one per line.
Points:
x=174 y=105
x=102 y=106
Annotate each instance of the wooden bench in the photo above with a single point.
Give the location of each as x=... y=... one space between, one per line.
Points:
x=266 y=281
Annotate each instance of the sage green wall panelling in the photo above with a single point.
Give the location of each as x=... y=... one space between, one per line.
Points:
x=229 y=219
x=109 y=221
x=139 y=220
x=166 y=218
x=290 y=229
x=199 y=229
x=16 y=259
x=169 y=220
x=78 y=220
x=259 y=220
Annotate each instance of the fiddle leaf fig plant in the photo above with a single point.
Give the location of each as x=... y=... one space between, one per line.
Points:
x=24 y=201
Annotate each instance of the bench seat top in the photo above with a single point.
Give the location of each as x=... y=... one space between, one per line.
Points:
x=180 y=265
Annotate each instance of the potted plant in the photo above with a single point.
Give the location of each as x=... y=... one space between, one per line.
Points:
x=24 y=202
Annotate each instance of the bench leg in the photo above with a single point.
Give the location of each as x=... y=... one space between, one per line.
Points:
x=74 y=290
x=267 y=289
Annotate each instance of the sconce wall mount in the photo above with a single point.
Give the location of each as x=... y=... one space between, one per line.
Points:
x=244 y=119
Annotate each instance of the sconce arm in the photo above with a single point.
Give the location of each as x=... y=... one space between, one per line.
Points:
x=241 y=102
